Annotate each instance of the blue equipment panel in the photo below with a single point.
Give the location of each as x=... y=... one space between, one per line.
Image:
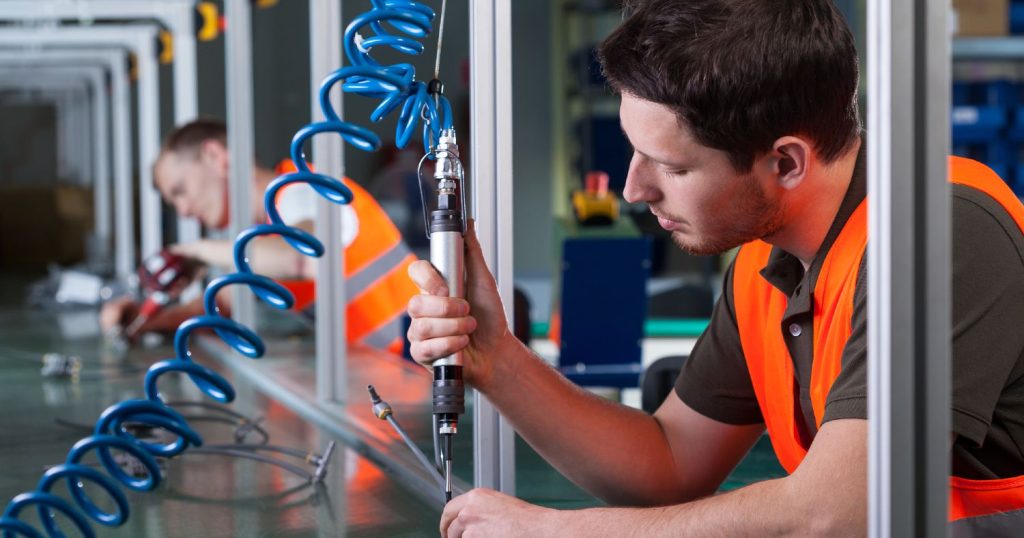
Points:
x=604 y=302
x=988 y=125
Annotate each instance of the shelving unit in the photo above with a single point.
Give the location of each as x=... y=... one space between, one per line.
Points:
x=988 y=103
x=988 y=48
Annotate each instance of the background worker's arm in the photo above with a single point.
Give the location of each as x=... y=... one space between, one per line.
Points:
x=617 y=453
x=121 y=312
x=270 y=256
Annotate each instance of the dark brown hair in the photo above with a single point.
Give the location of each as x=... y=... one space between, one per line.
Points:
x=742 y=73
x=187 y=139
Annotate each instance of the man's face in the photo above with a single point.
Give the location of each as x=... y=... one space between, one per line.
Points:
x=195 y=185
x=694 y=190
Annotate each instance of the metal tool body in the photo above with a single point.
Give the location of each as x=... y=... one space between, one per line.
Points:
x=447 y=225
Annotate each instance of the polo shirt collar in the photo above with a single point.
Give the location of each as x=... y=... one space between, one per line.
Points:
x=784 y=270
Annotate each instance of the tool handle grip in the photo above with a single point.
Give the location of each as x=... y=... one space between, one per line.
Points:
x=446 y=254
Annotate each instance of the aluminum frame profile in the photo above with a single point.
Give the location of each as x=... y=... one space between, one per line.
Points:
x=141 y=40
x=240 y=124
x=909 y=260
x=325 y=23
x=176 y=15
x=490 y=30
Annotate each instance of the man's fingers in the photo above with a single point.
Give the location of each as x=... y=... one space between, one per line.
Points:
x=451 y=512
x=427 y=328
x=475 y=264
x=426 y=351
x=431 y=306
x=427 y=278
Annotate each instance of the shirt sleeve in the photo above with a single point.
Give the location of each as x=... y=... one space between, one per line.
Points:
x=714 y=380
x=297 y=203
x=988 y=304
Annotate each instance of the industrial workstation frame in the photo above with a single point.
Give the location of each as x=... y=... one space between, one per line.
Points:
x=92 y=134
x=70 y=100
x=70 y=162
x=137 y=40
x=116 y=146
x=177 y=16
x=140 y=40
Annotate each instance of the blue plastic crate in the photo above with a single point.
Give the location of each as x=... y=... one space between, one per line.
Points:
x=1017 y=17
x=1017 y=182
x=976 y=124
x=1015 y=131
x=999 y=93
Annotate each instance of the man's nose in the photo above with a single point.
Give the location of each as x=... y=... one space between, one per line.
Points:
x=637 y=189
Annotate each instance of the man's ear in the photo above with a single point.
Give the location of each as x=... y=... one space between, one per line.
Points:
x=214 y=153
x=789 y=161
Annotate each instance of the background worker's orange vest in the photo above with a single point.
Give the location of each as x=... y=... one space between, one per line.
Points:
x=759 y=311
x=377 y=285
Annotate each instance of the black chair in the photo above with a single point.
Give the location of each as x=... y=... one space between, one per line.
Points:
x=658 y=381
x=686 y=301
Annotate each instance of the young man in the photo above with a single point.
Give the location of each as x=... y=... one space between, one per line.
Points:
x=743 y=118
x=191 y=174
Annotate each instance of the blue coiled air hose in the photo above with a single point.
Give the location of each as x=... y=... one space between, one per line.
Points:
x=396 y=24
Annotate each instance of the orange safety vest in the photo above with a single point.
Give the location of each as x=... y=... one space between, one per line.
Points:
x=377 y=284
x=759 y=310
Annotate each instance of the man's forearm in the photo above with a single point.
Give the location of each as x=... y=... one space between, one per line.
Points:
x=825 y=496
x=762 y=509
x=615 y=452
x=268 y=256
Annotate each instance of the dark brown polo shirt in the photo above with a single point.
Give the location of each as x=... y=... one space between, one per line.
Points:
x=988 y=339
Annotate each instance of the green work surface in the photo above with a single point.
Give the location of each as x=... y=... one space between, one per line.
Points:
x=202 y=495
x=366 y=491
x=653 y=328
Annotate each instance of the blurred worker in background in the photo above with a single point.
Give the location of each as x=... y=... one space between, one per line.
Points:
x=744 y=121
x=191 y=174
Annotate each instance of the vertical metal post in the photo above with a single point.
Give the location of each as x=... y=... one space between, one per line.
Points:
x=124 y=239
x=491 y=180
x=101 y=164
x=150 y=208
x=238 y=52
x=186 y=99
x=908 y=267
x=81 y=144
x=61 y=114
x=325 y=33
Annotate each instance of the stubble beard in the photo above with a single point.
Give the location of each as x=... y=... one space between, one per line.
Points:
x=757 y=218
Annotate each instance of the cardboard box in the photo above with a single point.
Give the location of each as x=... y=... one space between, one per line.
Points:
x=975 y=18
x=43 y=225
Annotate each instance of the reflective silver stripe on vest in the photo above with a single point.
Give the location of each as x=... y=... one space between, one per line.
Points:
x=384 y=264
x=385 y=334
x=993 y=525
